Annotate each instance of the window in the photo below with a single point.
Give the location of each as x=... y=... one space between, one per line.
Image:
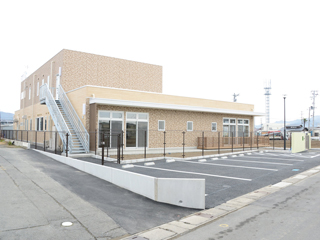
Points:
x=37 y=88
x=161 y=125
x=42 y=82
x=48 y=81
x=137 y=129
x=30 y=124
x=29 y=92
x=214 y=127
x=229 y=127
x=39 y=126
x=110 y=126
x=189 y=126
x=243 y=127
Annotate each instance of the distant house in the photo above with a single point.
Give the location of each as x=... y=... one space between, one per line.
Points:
x=81 y=93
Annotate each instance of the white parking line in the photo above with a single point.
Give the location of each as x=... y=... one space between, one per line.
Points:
x=258 y=162
x=226 y=165
x=195 y=173
x=279 y=159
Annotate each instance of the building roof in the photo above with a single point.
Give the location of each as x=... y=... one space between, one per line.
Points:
x=133 y=98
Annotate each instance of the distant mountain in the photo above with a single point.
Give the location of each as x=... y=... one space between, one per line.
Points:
x=6 y=116
x=298 y=121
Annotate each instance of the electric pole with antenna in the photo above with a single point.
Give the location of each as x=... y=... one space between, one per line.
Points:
x=235 y=97
x=314 y=94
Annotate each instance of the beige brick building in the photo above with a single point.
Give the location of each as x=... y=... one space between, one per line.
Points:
x=102 y=93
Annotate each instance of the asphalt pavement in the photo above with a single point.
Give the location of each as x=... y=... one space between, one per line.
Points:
x=38 y=194
x=289 y=214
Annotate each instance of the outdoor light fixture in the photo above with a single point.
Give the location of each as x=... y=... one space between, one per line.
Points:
x=284 y=122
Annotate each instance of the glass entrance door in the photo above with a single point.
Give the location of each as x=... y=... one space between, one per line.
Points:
x=109 y=132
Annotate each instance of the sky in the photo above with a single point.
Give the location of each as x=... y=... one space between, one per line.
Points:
x=208 y=49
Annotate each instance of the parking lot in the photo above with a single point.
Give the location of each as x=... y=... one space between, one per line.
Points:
x=230 y=176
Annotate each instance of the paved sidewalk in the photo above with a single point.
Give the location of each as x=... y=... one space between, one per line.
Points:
x=287 y=210
x=292 y=213
x=33 y=206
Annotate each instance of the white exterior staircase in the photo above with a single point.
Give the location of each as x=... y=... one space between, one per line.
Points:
x=66 y=120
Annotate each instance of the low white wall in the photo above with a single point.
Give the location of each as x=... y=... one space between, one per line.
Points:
x=19 y=143
x=176 y=191
x=181 y=191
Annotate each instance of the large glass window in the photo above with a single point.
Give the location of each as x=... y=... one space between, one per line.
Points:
x=137 y=129
x=110 y=127
x=243 y=127
x=229 y=127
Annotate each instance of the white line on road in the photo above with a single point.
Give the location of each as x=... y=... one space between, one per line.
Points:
x=195 y=173
x=278 y=159
x=257 y=162
x=227 y=165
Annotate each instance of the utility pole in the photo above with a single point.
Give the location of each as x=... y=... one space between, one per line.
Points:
x=235 y=97
x=309 y=119
x=314 y=94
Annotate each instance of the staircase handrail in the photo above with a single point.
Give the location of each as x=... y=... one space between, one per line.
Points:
x=61 y=125
x=75 y=121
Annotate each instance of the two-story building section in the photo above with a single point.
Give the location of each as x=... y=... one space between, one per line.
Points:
x=82 y=93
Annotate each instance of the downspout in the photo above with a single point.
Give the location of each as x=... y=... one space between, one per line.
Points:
x=50 y=88
x=33 y=93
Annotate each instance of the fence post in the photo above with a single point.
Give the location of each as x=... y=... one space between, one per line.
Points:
x=44 y=141
x=145 y=144
x=122 y=143
x=183 y=143
x=102 y=158
x=218 y=142
x=36 y=139
x=243 y=140
x=251 y=140
x=95 y=142
x=27 y=136
x=232 y=141
x=118 y=149
x=164 y=143
x=257 y=141
x=55 y=143
x=67 y=136
x=202 y=143
x=108 y=143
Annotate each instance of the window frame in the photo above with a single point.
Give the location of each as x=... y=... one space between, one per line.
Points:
x=164 y=125
x=137 y=120
x=188 y=130
x=216 y=128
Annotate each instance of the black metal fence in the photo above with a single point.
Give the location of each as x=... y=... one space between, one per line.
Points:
x=134 y=144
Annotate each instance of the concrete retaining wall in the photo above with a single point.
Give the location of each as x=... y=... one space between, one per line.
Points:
x=19 y=143
x=181 y=192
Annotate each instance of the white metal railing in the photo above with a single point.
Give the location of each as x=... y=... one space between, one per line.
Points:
x=75 y=121
x=62 y=128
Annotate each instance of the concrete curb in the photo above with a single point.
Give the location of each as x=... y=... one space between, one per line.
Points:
x=187 y=224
